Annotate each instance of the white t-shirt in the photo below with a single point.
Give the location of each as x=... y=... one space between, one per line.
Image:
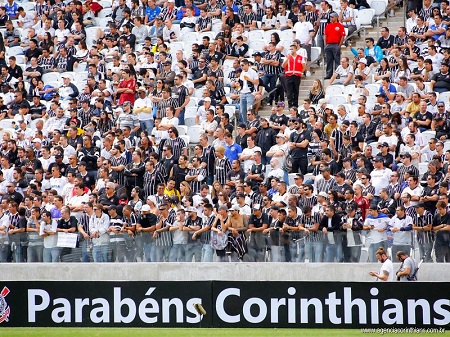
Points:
x=251 y=74
x=302 y=30
x=388 y=267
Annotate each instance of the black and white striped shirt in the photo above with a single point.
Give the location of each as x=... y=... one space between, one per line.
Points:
x=310 y=222
x=423 y=221
x=178 y=144
x=117 y=161
x=203 y=23
x=247 y=19
x=209 y=157
x=272 y=69
x=207 y=222
x=46 y=62
x=180 y=93
x=223 y=166
x=419 y=31
x=308 y=201
x=151 y=181
x=195 y=185
x=165 y=238
x=369 y=189
x=411 y=211
x=311 y=17
x=324 y=20
x=403 y=169
x=350 y=174
x=323 y=185
x=165 y=103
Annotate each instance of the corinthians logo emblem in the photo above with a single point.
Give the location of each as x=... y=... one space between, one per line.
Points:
x=4 y=308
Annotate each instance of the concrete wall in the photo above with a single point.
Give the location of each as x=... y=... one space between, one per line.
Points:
x=206 y=271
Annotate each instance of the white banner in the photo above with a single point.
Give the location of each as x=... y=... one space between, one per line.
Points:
x=68 y=240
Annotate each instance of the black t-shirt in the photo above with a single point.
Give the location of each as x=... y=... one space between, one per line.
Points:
x=148 y=220
x=259 y=222
x=68 y=224
x=298 y=138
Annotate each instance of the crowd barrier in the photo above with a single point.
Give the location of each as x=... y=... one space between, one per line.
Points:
x=214 y=304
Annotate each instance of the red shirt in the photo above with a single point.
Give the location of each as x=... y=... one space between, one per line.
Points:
x=334 y=31
x=294 y=66
x=363 y=205
x=129 y=84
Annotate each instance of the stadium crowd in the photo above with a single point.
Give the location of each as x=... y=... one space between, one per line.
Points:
x=136 y=129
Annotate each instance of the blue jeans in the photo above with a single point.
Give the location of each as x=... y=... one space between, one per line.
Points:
x=247 y=101
x=35 y=253
x=193 y=250
x=162 y=253
x=277 y=254
x=100 y=253
x=177 y=253
x=425 y=251
x=181 y=118
x=51 y=254
x=4 y=249
x=147 y=126
x=270 y=82
x=314 y=251
x=148 y=247
x=84 y=251
x=207 y=253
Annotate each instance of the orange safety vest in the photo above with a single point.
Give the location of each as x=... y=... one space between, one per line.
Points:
x=294 y=66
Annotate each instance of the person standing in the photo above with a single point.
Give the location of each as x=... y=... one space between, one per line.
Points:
x=334 y=37
x=298 y=145
x=249 y=81
x=293 y=65
x=407 y=271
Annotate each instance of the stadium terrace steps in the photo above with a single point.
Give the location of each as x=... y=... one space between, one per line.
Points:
x=317 y=72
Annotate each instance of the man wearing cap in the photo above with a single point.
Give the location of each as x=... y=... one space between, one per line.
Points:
x=193 y=224
x=279 y=150
x=376 y=223
x=379 y=177
x=333 y=38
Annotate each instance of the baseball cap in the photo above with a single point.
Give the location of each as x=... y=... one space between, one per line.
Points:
x=383 y=144
x=363 y=60
x=334 y=15
x=256 y=207
x=378 y=159
x=142 y=89
x=322 y=194
x=281 y=104
x=256 y=54
x=235 y=207
x=308 y=3
x=145 y=208
x=37 y=140
x=280 y=135
x=112 y=207
x=191 y=209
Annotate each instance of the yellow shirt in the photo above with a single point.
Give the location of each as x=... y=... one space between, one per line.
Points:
x=412 y=109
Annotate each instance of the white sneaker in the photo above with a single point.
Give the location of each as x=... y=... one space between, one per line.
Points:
x=391 y=13
x=308 y=73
